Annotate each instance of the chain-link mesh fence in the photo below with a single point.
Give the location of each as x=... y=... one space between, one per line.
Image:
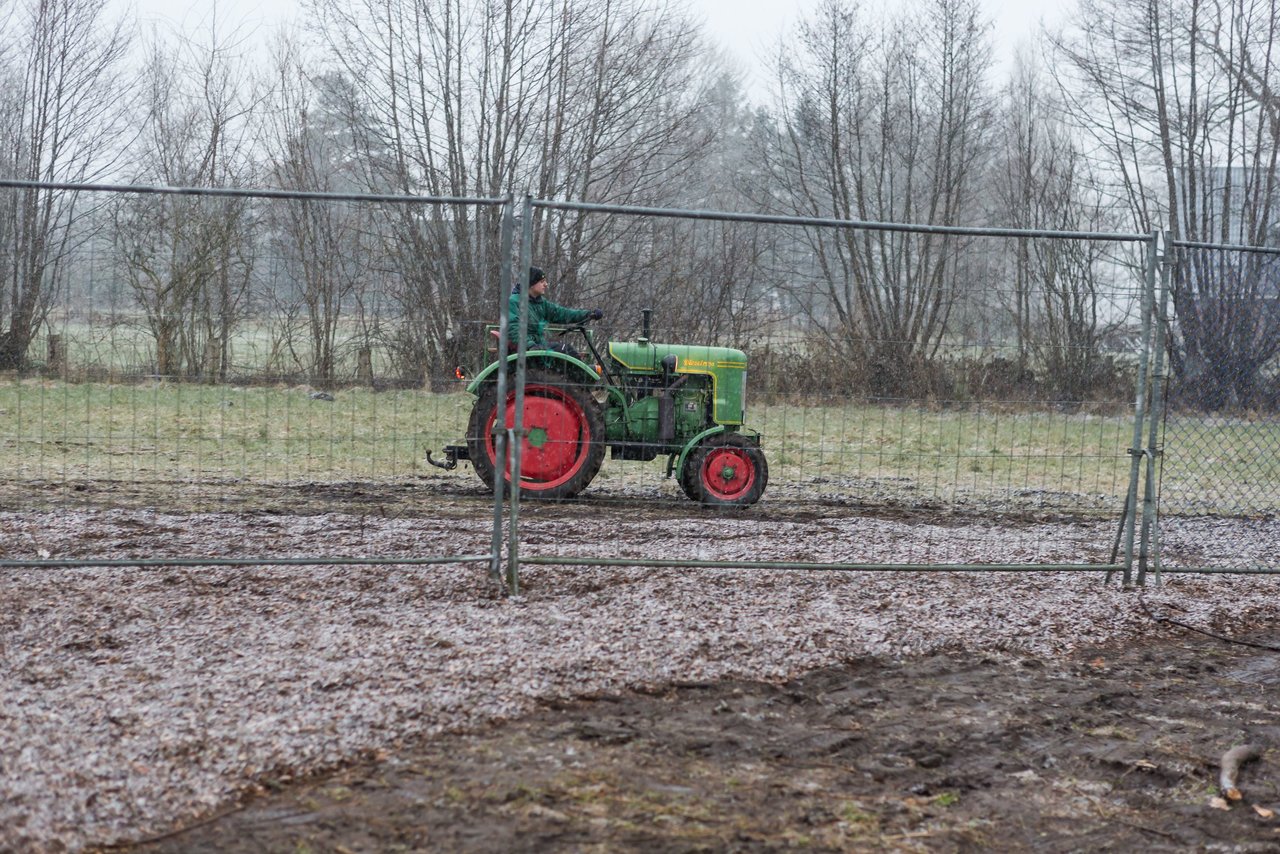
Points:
x=1217 y=394
x=195 y=352
x=957 y=374
x=784 y=365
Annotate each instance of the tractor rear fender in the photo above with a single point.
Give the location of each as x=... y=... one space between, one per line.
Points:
x=676 y=462
x=575 y=370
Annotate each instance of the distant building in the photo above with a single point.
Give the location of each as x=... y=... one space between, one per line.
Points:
x=1226 y=206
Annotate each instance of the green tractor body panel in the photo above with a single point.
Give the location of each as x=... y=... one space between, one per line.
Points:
x=725 y=367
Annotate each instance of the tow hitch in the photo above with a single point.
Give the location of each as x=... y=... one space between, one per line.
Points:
x=452 y=453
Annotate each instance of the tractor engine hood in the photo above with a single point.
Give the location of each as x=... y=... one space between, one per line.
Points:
x=726 y=367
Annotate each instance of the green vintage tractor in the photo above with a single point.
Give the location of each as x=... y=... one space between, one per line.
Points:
x=638 y=400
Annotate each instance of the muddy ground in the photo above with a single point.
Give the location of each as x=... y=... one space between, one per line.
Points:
x=1112 y=749
x=1101 y=748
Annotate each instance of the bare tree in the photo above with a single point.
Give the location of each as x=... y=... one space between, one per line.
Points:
x=63 y=102
x=622 y=124
x=326 y=247
x=704 y=279
x=10 y=124
x=884 y=122
x=1059 y=299
x=578 y=99
x=1191 y=129
x=189 y=260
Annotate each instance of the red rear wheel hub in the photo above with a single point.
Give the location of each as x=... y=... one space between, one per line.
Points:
x=556 y=438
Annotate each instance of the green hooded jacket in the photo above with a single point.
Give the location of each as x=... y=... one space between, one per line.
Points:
x=542 y=312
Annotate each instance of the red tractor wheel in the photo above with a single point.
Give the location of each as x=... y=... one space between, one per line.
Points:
x=563 y=444
x=725 y=471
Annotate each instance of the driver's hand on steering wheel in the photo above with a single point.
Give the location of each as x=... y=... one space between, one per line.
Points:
x=596 y=314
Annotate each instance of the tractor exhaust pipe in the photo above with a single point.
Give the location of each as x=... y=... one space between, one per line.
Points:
x=646 y=315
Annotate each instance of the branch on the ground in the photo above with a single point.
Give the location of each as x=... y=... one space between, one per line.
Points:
x=1231 y=762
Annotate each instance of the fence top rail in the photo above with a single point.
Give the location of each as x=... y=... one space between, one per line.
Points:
x=632 y=210
x=1226 y=247
x=827 y=222
x=254 y=193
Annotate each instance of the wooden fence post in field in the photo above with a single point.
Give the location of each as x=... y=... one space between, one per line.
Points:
x=364 y=366
x=212 y=357
x=57 y=363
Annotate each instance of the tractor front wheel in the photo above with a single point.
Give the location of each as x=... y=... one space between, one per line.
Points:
x=725 y=471
x=563 y=444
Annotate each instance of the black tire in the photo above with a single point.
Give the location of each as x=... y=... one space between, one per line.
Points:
x=725 y=471
x=564 y=444
x=689 y=478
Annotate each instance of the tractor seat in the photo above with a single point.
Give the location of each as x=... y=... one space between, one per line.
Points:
x=497 y=342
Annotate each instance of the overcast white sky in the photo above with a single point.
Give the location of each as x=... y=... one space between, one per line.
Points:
x=746 y=27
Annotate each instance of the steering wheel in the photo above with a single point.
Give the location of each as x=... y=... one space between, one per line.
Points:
x=580 y=326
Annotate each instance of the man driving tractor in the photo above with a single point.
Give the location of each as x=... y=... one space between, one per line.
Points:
x=542 y=312
x=638 y=400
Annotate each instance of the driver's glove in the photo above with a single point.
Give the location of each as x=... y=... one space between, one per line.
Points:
x=596 y=314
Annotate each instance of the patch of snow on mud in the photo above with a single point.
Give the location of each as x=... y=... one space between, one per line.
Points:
x=132 y=698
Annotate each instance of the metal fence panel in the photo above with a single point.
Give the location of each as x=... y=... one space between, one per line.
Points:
x=267 y=371
x=943 y=375
x=1218 y=436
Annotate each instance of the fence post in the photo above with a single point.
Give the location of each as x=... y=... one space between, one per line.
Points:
x=1136 y=449
x=499 y=424
x=1149 y=547
x=516 y=438
x=212 y=359
x=57 y=362
x=364 y=366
